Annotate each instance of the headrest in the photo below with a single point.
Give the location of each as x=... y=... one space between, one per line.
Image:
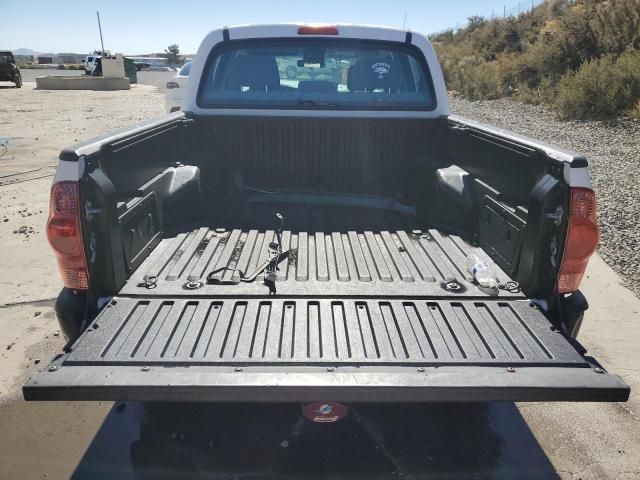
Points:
x=258 y=72
x=318 y=86
x=369 y=74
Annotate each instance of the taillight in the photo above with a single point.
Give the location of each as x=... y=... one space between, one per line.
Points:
x=174 y=109
x=317 y=30
x=65 y=235
x=582 y=239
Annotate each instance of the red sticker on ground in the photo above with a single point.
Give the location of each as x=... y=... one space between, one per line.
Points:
x=324 y=412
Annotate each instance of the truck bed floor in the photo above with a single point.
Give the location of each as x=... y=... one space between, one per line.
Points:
x=334 y=251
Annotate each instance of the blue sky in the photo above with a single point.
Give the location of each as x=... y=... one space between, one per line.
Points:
x=149 y=26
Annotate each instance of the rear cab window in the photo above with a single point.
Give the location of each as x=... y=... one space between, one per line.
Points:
x=316 y=73
x=6 y=58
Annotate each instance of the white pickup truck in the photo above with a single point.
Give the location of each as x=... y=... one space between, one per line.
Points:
x=291 y=240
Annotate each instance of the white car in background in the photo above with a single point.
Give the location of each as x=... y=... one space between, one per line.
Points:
x=90 y=63
x=175 y=88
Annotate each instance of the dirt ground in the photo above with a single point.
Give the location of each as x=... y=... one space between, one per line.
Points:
x=99 y=440
x=34 y=126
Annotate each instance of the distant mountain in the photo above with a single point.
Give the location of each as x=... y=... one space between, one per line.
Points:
x=25 y=51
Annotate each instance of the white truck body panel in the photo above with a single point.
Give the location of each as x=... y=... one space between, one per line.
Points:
x=291 y=30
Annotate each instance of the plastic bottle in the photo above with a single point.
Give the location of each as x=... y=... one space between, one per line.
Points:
x=481 y=271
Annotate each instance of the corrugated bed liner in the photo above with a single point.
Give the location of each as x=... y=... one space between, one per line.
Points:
x=311 y=331
x=334 y=251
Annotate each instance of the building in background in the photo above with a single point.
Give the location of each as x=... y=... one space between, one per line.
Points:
x=24 y=58
x=68 y=58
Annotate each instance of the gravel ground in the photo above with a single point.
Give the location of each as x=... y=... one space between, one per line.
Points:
x=613 y=151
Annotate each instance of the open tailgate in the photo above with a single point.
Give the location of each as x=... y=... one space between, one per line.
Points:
x=305 y=349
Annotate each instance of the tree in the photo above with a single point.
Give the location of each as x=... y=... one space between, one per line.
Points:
x=475 y=22
x=173 y=54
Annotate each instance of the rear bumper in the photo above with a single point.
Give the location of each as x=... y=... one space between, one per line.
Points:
x=306 y=384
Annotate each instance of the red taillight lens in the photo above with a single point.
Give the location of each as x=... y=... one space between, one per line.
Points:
x=317 y=30
x=65 y=235
x=582 y=239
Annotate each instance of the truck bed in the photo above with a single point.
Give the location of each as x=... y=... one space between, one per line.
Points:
x=352 y=251
x=364 y=311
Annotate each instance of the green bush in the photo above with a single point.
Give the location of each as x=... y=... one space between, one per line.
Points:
x=601 y=88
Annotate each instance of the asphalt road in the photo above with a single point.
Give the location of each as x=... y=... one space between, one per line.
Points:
x=174 y=441
x=132 y=440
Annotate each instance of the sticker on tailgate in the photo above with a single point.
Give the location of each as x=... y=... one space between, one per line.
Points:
x=324 y=412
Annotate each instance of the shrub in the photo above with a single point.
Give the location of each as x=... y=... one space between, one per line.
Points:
x=635 y=111
x=601 y=88
x=617 y=26
x=61 y=67
x=580 y=56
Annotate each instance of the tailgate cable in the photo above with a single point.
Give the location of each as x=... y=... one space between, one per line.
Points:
x=272 y=262
x=270 y=266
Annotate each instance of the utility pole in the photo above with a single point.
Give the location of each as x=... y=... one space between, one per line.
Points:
x=504 y=11
x=100 y=28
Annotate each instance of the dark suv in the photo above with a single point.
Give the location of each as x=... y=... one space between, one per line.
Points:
x=9 y=71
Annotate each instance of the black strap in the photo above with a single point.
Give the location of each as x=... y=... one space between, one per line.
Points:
x=245 y=278
x=409 y=37
x=225 y=34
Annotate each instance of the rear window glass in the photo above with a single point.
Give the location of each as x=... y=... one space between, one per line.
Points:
x=316 y=73
x=6 y=58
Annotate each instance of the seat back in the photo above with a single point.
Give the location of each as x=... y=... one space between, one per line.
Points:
x=255 y=72
x=370 y=74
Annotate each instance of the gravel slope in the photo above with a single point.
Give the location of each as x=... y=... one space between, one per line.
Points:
x=613 y=151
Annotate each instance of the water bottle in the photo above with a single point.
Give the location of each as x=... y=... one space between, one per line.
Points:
x=481 y=271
